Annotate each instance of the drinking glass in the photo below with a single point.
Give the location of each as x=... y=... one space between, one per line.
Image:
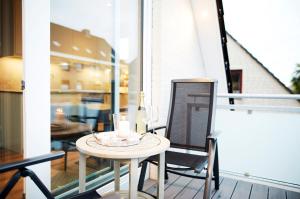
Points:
x=121 y=124
x=152 y=116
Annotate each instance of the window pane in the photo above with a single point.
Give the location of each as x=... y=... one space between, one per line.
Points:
x=94 y=73
x=11 y=94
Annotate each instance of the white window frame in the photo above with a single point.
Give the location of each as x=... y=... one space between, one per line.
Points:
x=36 y=73
x=36 y=96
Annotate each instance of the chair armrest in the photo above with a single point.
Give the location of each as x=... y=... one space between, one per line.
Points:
x=214 y=135
x=30 y=161
x=156 y=128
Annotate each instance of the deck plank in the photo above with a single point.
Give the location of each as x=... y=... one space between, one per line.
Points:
x=149 y=183
x=242 y=190
x=226 y=189
x=213 y=190
x=293 y=195
x=200 y=193
x=153 y=189
x=259 y=192
x=180 y=187
x=275 y=193
x=177 y=186
x=191 y=189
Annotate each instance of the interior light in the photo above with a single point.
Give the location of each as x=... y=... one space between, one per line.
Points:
x=64 y=65
x=56 y=43
x=102 y=53
x=78 y=66
x=88 y=51
x=75 y=48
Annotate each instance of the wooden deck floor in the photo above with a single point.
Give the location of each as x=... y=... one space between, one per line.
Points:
x=180 y=187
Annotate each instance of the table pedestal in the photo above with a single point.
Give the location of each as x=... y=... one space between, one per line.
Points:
x=133 y=177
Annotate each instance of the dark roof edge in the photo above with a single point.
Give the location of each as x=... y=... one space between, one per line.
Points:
x=261 y=64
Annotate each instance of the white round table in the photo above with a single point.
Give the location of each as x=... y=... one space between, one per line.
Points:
x=149 y=145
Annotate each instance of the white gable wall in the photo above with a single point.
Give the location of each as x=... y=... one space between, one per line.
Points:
x=256 y=79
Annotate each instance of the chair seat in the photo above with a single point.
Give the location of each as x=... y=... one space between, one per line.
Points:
x=195 y=162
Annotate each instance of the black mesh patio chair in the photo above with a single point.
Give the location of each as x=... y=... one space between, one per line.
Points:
x=23 y=171
x=190 y=127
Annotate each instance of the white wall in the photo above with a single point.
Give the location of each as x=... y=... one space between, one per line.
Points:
x=36 y=55
x=208 y=31
x=184 y=47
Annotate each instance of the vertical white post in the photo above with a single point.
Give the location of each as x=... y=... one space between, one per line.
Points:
x=117 y=174
x=147 y=51
x=161 y=175
x=147 y=66
x=82 y=172
x=36 y=73
x=116 y=46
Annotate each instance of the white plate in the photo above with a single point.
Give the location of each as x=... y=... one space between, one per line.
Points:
x=111 y=139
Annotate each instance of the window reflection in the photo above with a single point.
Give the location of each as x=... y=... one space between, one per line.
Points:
x=85 y=58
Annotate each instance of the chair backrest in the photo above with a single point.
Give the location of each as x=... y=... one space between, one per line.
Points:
x=191 y=113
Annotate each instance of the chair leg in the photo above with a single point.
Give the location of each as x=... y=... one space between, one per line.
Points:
x=66 y=160
x=166 y=173
x=211 y=156
x=216 y=169
x=65 y=149
x=142 y=176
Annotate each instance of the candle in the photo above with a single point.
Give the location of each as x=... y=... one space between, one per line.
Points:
x=60 y=114
x=124 y=129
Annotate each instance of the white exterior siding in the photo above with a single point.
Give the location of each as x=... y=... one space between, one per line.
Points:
x=179 y=38
x=255 y=80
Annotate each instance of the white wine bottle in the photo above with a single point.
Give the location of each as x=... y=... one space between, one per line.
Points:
x=141 y=116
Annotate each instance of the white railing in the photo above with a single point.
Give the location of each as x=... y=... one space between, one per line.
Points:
x=260 y=141
x=293 y=109
x=260 y=96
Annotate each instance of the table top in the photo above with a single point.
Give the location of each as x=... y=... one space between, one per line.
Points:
x=151 y=144
x=76 y=128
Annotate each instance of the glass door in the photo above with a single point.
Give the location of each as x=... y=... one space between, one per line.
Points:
x=94 y=73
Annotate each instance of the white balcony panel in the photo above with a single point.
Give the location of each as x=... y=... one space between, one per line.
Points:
x=263 y=144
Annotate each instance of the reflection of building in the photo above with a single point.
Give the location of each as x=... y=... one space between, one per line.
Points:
x=82 y=66
x=81 y=61
x=250 y=76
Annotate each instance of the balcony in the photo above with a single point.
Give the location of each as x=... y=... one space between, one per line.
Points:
x=258 y=148
x=88 y=68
